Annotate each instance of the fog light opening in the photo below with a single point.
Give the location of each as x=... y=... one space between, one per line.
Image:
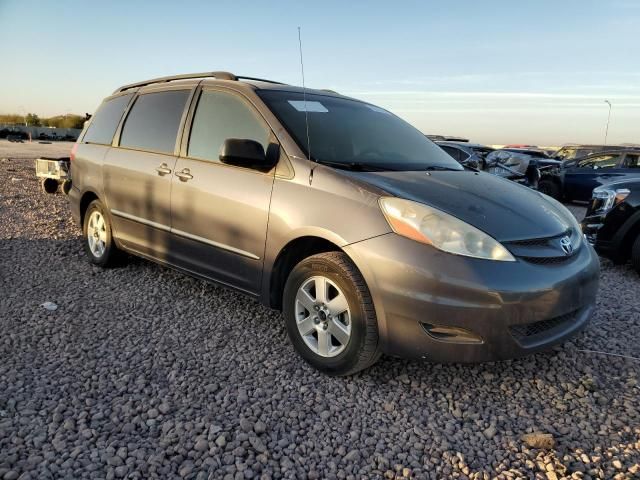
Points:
x=448 y=334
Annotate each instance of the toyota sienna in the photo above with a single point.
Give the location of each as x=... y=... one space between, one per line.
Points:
x=369 y=237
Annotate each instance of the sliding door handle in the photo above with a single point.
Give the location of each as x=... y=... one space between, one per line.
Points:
x=184 y=175
x=163 y=170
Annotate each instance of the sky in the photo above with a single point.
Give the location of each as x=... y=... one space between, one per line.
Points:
x=496 y=72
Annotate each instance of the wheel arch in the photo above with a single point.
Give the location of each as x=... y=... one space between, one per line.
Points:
x=288 y=257
x=630 y=235
x=86 y=199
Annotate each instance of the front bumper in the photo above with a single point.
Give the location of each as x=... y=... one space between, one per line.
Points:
x=591 y=225
x=449 y=308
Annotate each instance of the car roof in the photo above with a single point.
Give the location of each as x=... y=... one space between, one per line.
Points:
x=616 y=147
x=462 y=144
x=614 y=152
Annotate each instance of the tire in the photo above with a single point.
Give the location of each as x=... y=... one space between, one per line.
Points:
x=100 y=247
x=635 y=254
x=345 y=288
x=549 y=187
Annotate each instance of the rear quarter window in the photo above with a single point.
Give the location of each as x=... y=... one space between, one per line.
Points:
x=153 y=121
x=105 y=121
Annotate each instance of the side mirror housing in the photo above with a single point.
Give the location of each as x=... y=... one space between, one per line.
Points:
x=243 y=152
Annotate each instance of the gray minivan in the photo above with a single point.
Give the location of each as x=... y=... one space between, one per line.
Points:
x=368 y=236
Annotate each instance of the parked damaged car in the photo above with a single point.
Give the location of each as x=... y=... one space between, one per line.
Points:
x=612 y=223
x=576 y=179
x=520 y=165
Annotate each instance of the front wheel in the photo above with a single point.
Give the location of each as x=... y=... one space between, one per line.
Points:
x=330 y=316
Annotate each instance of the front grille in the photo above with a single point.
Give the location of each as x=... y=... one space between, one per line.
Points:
x=534 y=242
x=547 y=260
x=526 y=331
x=544 y=251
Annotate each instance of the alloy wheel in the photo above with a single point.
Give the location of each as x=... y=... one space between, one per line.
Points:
x=97 y=234
x=323 y=316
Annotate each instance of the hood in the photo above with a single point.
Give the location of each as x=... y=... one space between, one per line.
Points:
x=503 y=209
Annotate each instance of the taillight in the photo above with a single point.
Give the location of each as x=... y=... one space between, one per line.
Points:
x=74 y=149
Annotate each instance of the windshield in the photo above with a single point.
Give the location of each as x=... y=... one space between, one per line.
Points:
x=352 y=134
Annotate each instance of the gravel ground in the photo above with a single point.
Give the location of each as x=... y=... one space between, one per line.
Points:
x=142 y=372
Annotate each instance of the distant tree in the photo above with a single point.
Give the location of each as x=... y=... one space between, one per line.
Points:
x=12 y=119
x=33 y=120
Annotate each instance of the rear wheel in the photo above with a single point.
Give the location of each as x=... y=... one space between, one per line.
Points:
x=549 y=187
x=98 y=242
x=635 y=254
x=330 y=316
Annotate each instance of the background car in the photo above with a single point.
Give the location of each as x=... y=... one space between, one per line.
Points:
x=515 y=164
x=469 y=154
x=577 y=178
x=612 y=223
x=446 y=138
x=17 y=136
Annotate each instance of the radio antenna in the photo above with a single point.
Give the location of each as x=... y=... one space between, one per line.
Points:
x=304 y=97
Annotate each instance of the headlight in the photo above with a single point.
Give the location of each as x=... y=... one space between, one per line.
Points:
x=607 y=198
x=431 y=226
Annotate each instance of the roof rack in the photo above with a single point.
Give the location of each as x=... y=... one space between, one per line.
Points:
x=240 y=77
x=187 y=76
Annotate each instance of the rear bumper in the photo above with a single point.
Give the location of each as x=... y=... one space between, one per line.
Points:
x=448 y=308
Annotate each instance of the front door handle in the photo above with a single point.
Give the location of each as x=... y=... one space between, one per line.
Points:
x=163 y=170
x=184 y=175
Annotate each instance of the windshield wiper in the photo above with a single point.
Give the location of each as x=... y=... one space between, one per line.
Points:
x=356 y=166
x=442 y=168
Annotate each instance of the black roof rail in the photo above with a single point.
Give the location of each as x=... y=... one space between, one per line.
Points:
x=241 y=77
x=187 y=76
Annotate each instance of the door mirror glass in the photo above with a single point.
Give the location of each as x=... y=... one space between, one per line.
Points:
x=243 y=152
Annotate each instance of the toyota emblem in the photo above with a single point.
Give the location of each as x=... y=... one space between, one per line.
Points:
x=566 y=245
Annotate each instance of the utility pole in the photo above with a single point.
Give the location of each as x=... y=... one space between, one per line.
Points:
x=606 y=130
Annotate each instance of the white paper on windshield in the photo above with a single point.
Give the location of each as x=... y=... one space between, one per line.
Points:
x=315 y=107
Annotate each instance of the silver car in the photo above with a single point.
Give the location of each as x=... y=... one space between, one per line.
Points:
x=368 y=236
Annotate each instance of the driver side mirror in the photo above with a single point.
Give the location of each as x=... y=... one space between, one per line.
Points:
x=243 y=152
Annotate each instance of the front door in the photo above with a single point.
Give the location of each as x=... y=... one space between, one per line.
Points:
x=219 y=212
x=138 y=173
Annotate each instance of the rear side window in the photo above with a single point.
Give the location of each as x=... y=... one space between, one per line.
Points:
x=600 y=161
x=632 y=161
x=153 y=121
x=106 y=119
x=220 y=116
